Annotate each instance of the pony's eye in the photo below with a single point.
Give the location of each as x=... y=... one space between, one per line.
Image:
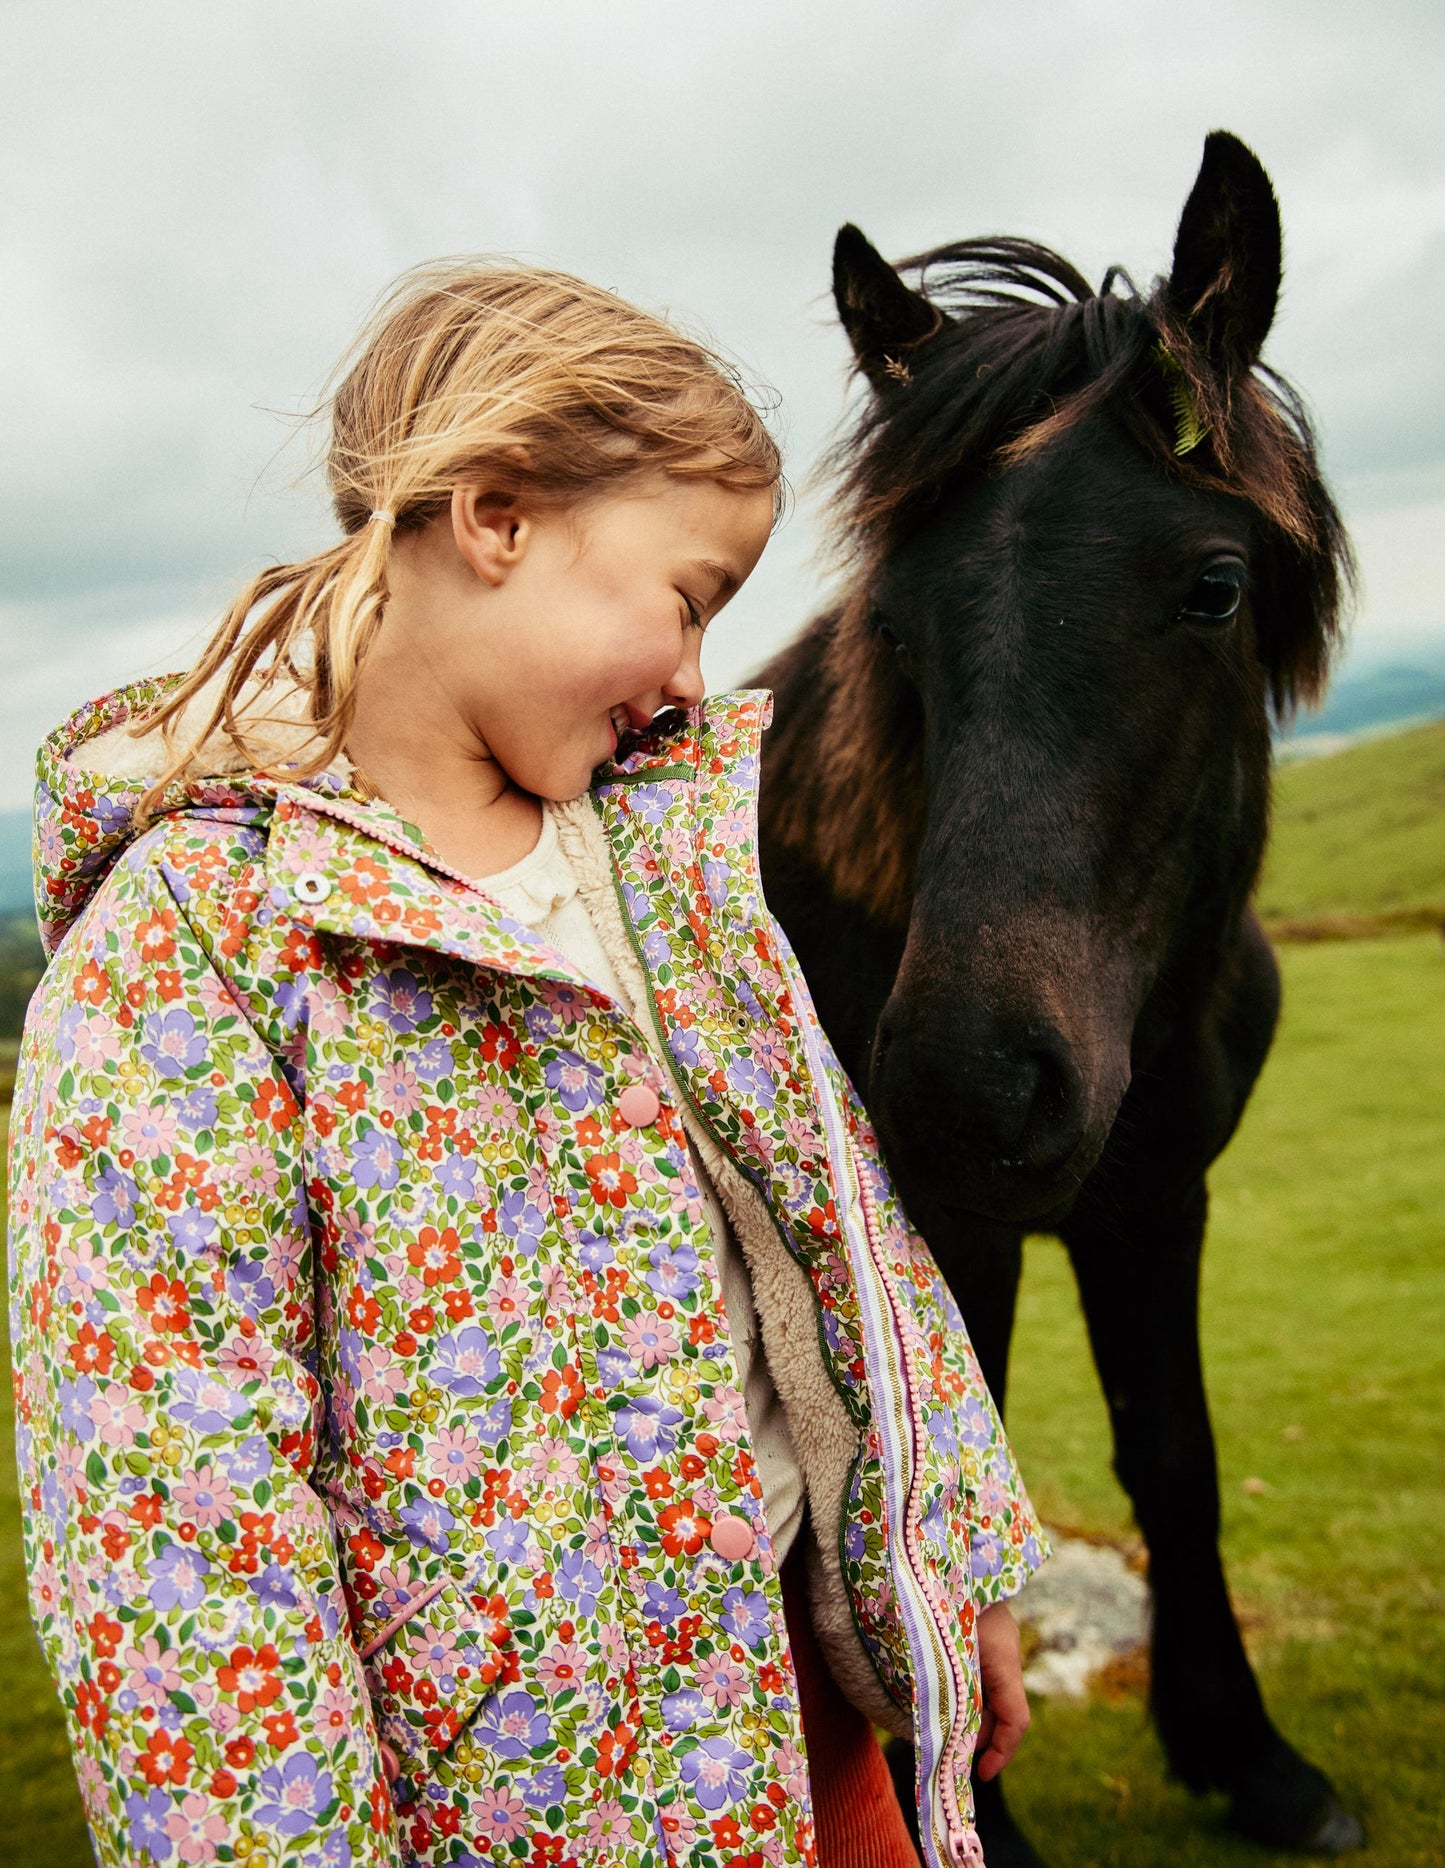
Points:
x=881 y=626
x=1215 y=594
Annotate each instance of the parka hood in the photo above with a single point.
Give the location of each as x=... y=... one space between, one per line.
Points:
x=93 y=771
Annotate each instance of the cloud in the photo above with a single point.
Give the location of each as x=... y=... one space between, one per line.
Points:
x=202 y=203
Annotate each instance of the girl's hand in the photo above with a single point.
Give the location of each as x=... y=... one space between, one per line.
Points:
x=1005 y=1704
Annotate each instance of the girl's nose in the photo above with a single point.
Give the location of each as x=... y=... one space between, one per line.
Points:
x=687 y=687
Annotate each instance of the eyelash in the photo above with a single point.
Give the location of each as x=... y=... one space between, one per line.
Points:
x=694 y=614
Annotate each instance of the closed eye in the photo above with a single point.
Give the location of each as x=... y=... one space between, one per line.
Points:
x=1215 y=595
x=694 y=611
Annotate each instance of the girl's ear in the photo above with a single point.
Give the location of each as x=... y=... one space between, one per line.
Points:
x=491 y=532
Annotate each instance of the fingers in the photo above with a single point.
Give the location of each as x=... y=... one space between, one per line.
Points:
x=1006 y=1706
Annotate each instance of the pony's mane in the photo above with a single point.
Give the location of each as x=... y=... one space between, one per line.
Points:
x=1025 y=350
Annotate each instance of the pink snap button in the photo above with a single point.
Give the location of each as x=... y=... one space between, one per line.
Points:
x=732 y=1538
x=638 y=1106
x=390 y=1763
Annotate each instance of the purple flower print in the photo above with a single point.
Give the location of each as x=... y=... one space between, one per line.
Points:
x=578 y=1082
x=198 y=1110
x=192 y=1230
x=170 y=1042
x=544 y=1788
x=376 y=1160
x=614 y=1366
x=249 y=1461
x=510 y=1724
x=275 y=1588
x=493 y=1427
x=293 y=1795
x=335 y=1852
x=202 y=1401
x=427 y=1521
x=942 y=1429
x=148 y=1824
x=465 y=1361
x=75 y=1398
x=649 y=1427
x=433 y=1061
x=400 y=998
x=715 y=880
x=650 y=802
x=248 y=1286
x=654 y=948
x=716 y=1771
x=596 y=1252
x=177 y=1578
x=661 y=1604
x=683 y=1710
x=745 y=1615
x=521 y=1221
x=750 y=1080
x=457 y=1177
x=971 y=1417
x=113 y=1202
x=578 y=1580
x=985 y=1558
x=507 y=1540
x=686 y=1046
x=673 y=1269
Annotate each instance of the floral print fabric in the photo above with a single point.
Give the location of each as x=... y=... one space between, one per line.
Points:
x=375 y=1389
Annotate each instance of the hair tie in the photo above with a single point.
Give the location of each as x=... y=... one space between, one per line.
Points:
x=387 y=518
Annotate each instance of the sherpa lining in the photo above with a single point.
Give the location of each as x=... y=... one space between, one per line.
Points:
x=824 y=1437
x=278 y=730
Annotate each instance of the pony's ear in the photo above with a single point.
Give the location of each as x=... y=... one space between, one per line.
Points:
x=1224 y=283
x=883 y=318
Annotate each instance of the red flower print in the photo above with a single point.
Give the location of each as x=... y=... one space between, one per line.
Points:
x=684 y=1528
x=165 y=1302
x=166 y=1759
x=280 y=1728
x=91 y=1353
x=562 y=1392
x=104 y=1634
x=240 y=1753
x=436 y=1255
x=612 y=1184
x=251 y=1676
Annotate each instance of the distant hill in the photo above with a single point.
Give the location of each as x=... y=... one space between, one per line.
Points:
x=1360 y=837
x=1377 y=697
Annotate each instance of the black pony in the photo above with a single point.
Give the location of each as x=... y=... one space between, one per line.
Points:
x=1014 y=804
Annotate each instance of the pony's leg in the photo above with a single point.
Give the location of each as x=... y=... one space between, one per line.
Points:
x=1138 y=1273
x=982 y=1267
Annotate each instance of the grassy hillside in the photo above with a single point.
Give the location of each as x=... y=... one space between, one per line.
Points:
x=1361 y=833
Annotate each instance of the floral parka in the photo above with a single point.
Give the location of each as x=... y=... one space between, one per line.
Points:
x=377 y=1409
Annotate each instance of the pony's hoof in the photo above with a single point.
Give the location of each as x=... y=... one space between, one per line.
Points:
x=1319 y=1826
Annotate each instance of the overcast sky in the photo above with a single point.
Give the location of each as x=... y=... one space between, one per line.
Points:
x=198 y=204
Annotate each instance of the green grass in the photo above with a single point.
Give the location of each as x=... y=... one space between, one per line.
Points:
x=1361 y=832
x=1323 y=1292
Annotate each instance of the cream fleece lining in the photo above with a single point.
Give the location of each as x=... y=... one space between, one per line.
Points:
x=824 y=1436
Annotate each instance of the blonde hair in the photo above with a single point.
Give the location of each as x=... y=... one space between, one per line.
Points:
x=529 y=380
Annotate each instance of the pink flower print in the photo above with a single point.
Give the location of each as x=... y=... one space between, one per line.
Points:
x=614 y=1647
x=550 y=1463
x=117 y=1419
x=680 y=1828
x=288 y=1253
x=95 y=1043
x=328 y=1009
x=83 y=1271
x=560 y=1668
x=498 y=1815
x=150 y=1132
x=631 y=1148
x=245 y=1359
x=648 y=1340
x=205 y=1497
x=797 y=1134
x=597 y=1547
x=155 y=1671
x=335 y=1714
x=792 y=1768
x=607 y=1821
x=455 y=1455
x=397 y=1088
x=496 y=1109
x=721 y=1680
x=726 y=1414
x=435 y=1649
x=380 y=1374
x=555 y=1293
x=505 y=1300
x=196 y=1828
x=253 y=1168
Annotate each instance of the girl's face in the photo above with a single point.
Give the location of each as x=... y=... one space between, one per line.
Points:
x=550 y=634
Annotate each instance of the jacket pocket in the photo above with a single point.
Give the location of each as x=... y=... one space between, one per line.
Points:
x=431 y=1657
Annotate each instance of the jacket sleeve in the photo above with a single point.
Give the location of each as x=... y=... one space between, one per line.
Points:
x=1006 y=1540
x=183 y=1571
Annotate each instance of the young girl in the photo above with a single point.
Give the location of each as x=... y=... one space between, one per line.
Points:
x=479 y=1397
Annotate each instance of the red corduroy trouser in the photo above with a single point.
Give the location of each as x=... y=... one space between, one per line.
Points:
x=855 y=1808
